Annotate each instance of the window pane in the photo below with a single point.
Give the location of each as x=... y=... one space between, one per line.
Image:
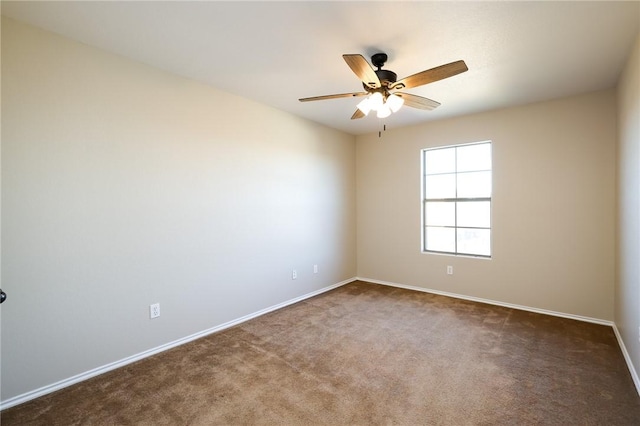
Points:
x=474 y=241
x=440 y=161
x=474 y=214
x=440 y=213
x=474 y=157
x=440 y=186
x=474 y=184
x=441 y=239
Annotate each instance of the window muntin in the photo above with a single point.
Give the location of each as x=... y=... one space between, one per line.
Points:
x=457 y=199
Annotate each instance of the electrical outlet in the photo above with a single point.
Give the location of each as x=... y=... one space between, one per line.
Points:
x=315 y=269
x=154 y=310
x=294 y=274
x=449 y=270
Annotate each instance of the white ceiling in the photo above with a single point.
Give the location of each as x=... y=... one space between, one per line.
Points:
x=277 y=52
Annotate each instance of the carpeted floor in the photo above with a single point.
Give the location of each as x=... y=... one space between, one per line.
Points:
x=368 y=355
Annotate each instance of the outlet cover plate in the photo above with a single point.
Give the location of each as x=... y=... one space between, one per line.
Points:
x=154 y=310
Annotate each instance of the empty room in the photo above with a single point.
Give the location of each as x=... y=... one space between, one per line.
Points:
x=320 y=212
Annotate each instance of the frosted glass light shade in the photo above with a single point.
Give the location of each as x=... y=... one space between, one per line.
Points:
x=384 y=111
x=376 y=101
x=365 y=106
x=394 y=102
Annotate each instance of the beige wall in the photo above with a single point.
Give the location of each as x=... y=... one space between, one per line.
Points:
x=124 y=186
x=553 y=210
x=627 y=301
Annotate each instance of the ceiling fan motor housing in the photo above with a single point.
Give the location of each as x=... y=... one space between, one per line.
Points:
x=385 y=76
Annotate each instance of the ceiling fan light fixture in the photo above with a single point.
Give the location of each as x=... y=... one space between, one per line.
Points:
x=384 y=111
x=365 y=106
x=394 y=102
x=376 y=101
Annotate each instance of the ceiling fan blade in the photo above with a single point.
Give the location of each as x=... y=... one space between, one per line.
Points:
x=341 y=95
x=357 y=114
x=419 y=102
x=363 y=70
x=431 y=75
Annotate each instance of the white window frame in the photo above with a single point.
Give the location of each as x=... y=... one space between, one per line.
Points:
x=455 y=200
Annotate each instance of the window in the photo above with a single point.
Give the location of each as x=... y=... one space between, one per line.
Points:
x=456 y=193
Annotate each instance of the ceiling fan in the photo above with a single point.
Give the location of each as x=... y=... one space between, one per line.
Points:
x=381 y=86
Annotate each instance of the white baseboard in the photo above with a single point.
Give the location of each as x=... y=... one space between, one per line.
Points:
x=491 y=302
x=627 y=358
x=145 y=354
x=632 y=370
x=128 y=360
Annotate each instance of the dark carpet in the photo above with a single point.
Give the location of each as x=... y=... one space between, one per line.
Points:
x=366 y=354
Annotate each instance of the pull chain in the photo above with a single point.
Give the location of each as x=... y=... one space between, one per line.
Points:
x=384 y=129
